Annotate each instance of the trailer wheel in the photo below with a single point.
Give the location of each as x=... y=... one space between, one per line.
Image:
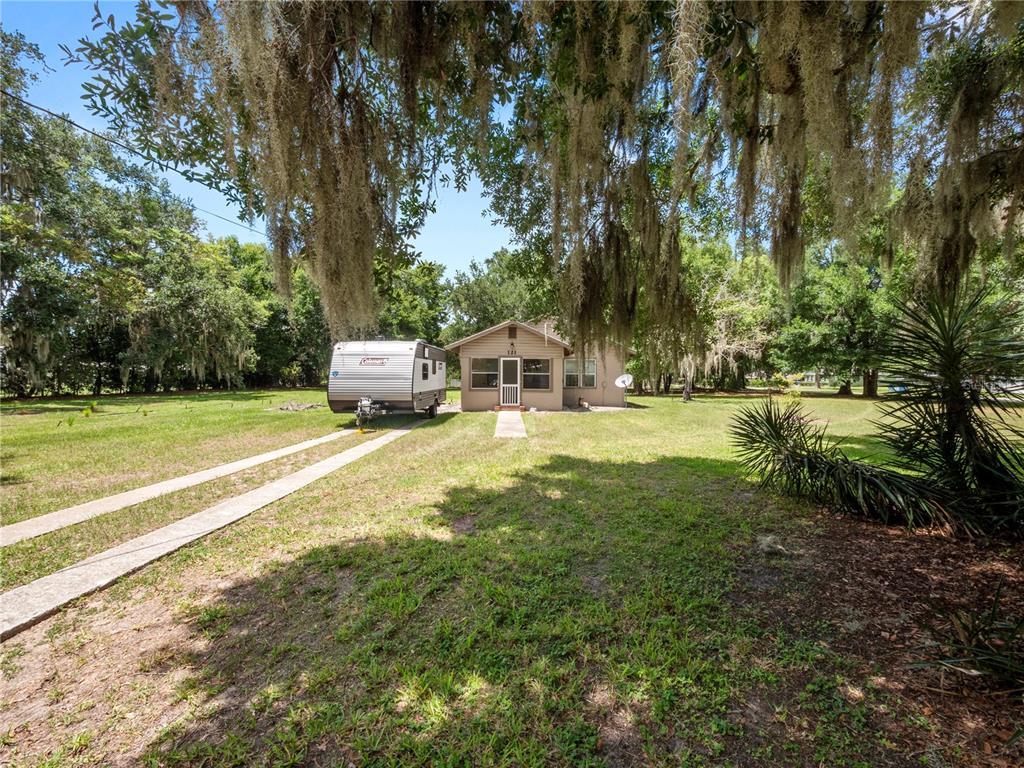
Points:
x=431 y=412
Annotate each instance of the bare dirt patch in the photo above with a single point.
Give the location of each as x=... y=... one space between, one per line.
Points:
x=114 y=673
x=619 y=738
x=465 y=525
x=293 y=406
x=876 y=596
x=125 y=673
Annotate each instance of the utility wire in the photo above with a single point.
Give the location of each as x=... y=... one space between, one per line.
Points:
x=127 y=148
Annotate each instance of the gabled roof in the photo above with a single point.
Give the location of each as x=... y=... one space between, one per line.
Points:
x=546 y=332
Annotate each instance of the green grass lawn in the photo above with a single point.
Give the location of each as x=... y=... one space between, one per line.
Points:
x=32 y=558
x=452 y=599
x=55 y=456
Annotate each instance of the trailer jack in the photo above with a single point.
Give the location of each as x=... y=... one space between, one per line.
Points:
x=366 y=411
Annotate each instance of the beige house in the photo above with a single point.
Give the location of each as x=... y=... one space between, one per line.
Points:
x=529 y=365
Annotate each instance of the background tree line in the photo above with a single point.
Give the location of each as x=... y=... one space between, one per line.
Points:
x=107 y=284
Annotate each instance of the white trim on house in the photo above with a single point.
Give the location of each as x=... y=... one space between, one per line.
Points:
x=525 y=326
x=511 y=391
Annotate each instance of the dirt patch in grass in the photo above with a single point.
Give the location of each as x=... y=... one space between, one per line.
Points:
x=618 y=733
x=135 y=676
x=465 y=525
x=114 y=675
x=866 y=601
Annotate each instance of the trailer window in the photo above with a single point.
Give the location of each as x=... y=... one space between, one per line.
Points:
x=433 y=366
x=484 y=373
x=536 y=373
x=426 y=371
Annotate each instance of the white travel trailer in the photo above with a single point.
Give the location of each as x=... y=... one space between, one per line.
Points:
x=367 y=376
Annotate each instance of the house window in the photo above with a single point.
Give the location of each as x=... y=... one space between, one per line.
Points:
x=536 y=374
x=577 y=378
x=484 y=373
x=426 y=371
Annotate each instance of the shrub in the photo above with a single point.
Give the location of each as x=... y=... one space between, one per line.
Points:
x=959 y=462
x=957 y=363
x=984 y=644
x=786 y=451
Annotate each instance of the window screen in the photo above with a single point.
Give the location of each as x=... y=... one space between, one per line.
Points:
x=575 y=377
x=536 y=373
x=484 y=373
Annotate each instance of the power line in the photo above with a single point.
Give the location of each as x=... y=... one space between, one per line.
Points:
x=127 y=148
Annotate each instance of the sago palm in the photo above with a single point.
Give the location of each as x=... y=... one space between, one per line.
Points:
x=957 y=362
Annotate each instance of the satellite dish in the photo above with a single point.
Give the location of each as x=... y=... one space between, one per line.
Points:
x=625 y=380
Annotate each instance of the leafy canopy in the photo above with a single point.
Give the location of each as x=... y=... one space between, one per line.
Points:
x=616 y=119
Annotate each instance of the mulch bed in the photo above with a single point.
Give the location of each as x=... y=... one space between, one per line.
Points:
x=877 y=596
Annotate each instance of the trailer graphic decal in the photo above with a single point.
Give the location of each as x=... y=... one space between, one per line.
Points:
x=373 y=361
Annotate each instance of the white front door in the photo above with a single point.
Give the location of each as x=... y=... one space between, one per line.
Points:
x=509 y=380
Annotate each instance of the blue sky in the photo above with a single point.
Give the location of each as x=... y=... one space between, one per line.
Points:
x=458 y=232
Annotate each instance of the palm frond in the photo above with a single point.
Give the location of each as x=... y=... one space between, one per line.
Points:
x=958 y=366
x=785 y=450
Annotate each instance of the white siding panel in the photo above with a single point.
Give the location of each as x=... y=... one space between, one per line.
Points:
x=371 y=369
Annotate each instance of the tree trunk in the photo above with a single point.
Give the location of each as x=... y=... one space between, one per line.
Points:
x=871 y=382
x=845 y=389
x=817 y=379
x=687 y=388
x=97 y=386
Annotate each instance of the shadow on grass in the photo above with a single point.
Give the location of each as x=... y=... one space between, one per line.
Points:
x=12 y=478
x=577 y=617
x=6 y=476
x=43 y=408
x=832 y=394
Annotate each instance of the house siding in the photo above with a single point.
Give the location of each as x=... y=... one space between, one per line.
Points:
x=526 y=345
x=529 y=344
x=610 y=365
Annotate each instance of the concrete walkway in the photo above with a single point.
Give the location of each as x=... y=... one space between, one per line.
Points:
x=26 y=605
x=37 y=526
x=510 y=424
